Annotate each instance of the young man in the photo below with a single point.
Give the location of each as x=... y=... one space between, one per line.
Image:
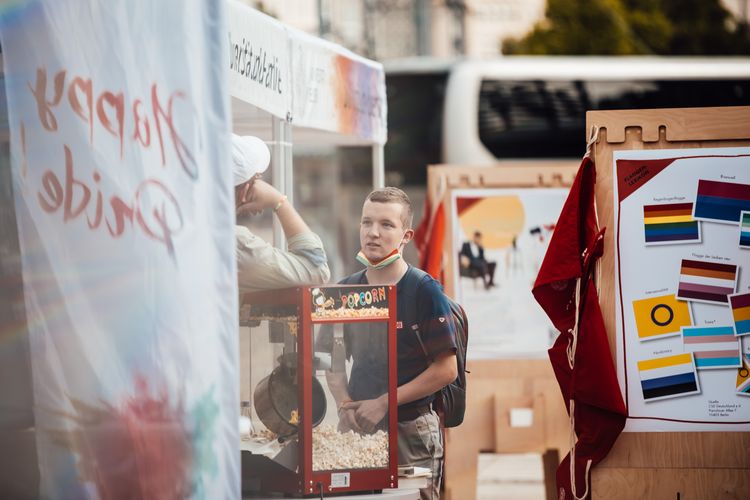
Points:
x=260 y=265
x=385 y=229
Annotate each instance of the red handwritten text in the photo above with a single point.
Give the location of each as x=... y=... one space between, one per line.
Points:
x=108 y=109
x=153 y=210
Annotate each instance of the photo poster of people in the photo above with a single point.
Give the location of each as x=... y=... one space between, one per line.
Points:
x=500 y=236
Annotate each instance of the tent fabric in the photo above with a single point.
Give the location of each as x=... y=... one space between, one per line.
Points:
x=120 y=157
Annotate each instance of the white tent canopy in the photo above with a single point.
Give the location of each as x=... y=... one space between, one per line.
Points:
x=284 y=82
x=328 y=93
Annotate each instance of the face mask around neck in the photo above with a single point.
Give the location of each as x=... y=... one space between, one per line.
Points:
x=387 y=261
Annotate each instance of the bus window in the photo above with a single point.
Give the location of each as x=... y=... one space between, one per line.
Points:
x=546 y=119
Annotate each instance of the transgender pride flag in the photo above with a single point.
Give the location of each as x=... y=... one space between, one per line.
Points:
x=721 y=201
x=712 y=347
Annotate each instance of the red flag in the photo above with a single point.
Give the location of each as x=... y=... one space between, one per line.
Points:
x=428 y=237
x=580 y=356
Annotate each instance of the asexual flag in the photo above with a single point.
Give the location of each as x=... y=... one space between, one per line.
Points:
x=706 y=281
x=745 y=230
x=713 y=347
x=721 y=201
x=670 y=223
x=740 y=304
x=668 y=377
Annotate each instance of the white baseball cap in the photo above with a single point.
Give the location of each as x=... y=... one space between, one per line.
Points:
x=250 y=156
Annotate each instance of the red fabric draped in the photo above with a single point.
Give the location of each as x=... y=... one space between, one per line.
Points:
x=583 y=366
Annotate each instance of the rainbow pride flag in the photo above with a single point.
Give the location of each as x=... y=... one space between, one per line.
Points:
x=670 y=223
x=713 y=347
x=721 y=201
x=745 y=229
x=668 y=377
x=706 y=281
x=740 y=304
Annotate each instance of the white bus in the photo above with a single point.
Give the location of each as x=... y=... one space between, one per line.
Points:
x=474 y=112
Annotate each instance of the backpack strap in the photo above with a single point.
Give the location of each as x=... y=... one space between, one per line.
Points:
x=414 y=277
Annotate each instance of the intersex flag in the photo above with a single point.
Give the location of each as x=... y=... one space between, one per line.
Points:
x=580 y=356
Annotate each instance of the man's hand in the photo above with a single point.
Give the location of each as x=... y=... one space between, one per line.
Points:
x=369 y=412
x=259 y=197
x=348 y=420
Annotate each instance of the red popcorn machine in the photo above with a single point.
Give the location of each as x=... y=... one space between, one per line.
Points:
x=316 y=360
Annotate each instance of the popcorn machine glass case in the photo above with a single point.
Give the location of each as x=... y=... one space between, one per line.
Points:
x=321 y=360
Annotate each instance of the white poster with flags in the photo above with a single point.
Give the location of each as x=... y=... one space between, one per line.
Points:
x=119 y=132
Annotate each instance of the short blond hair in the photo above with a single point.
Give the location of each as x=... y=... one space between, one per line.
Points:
x=394 y=195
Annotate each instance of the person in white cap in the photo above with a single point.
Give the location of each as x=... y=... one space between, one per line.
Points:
x=260 y=265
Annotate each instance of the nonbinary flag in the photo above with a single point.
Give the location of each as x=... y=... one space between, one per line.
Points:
x=713 y=347
x=670 y=223
x=658 y=317
x=706 y=281
x=740 y=304
x=668 y=377
x=743 y=377
x=745 y=230
x=721 y=201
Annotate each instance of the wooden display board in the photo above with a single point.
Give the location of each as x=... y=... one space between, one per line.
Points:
x=498 y=385
x=677 y=464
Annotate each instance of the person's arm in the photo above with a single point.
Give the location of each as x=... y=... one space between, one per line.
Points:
x=262 y=196
x=440 y=373
x=261 y=266
x=347 y=413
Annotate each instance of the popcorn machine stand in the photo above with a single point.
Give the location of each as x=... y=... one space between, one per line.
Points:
x=301 y=374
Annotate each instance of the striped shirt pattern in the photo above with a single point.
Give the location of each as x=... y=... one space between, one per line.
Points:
x=668 y=377
x=740 y=304
x=721 y=201
x=706 y=281
x=670 y=223
x=745 y=229
x=713 y=347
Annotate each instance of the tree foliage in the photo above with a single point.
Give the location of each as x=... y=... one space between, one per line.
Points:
x=631 y=27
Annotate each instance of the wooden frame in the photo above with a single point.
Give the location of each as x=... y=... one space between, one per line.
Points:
x=498 y=385
x=664 y=465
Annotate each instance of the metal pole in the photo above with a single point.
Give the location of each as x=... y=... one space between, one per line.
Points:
x=280 y=169
x=378 y=166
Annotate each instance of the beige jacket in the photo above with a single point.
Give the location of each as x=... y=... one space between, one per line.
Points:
x=261 y=266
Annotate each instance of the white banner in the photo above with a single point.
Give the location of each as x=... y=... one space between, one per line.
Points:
x=336 y=90
x=119 y=128
x=303 y=79
x=259 y=60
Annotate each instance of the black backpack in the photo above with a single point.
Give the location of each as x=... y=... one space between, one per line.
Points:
x=451 y=399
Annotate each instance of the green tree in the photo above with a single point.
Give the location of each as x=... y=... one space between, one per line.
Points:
x=629 y=27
